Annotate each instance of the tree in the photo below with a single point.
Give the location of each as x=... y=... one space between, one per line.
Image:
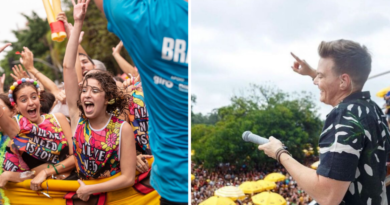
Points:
x=97 y=42
x=32 y=37
x=266 y=112
x=199 y=118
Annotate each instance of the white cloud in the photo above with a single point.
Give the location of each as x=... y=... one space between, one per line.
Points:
x=235 y=43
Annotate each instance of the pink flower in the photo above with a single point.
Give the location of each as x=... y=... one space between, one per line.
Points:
x=111 y=140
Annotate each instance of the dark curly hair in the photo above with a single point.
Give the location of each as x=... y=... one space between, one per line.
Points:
x=47 y=100
x=111 y=92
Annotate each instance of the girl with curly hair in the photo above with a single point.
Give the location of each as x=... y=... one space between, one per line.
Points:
x=101 y=147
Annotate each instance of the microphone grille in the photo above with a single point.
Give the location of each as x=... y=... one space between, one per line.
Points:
x=245 y=135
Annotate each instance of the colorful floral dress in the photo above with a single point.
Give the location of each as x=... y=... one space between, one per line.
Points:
x=97 y=152
x=4 y=140
x=45 y=142
x=139 y=121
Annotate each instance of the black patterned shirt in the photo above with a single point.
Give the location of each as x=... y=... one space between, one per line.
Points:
x=353 y=147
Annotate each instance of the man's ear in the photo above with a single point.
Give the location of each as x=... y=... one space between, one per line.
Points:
x=345 y=82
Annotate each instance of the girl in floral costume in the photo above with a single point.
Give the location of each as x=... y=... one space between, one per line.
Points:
x=38 y=142
x=101 y=146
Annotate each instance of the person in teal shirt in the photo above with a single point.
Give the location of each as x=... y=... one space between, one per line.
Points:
x=155 y=33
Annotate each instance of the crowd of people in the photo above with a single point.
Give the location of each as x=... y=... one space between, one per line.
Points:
x=93 y=126
x=206 y=182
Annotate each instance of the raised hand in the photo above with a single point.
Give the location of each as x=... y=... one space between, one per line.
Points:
x=5 y=46
x=60 y=96
x=19 y=73
x=302 y=67
x=62 y=17
x=80 y=9
x=130 y=81
x=69 y=28
x=27 y=59
x=116 y=50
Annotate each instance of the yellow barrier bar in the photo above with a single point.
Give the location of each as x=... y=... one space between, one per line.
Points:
x=66 y=185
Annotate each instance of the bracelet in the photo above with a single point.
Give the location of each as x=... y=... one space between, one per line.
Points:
x=55 y=169
x=280 y=154
x=277 y=152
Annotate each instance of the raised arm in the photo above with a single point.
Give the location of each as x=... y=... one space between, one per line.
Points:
x=123 y=64
x=28 y=62
x=127 y=162
x=70 y=76
x=302 y=67
x=68 y=28
x=4 y=47
x=2 y=78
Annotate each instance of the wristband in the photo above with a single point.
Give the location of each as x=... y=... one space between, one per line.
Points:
x=280 y=154
x=55 y=169
x=277 y=152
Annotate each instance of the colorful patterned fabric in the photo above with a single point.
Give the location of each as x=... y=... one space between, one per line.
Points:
x=139 y=121
x=353 y=147
x=10 y=161
x=97 y=151
x=14 y=163
x=45 y=142
x=4 y=140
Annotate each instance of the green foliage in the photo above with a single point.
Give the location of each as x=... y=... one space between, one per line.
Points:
x=266 y=112
x=198 y=118
x=32 y=37
x=97 y=42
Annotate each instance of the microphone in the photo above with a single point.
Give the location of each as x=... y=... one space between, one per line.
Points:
x=248 y=136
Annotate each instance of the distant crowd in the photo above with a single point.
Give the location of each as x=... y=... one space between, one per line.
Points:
x=206 y=182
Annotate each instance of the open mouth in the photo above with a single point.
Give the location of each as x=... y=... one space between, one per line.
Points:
x=89 y=106
x=32 y=112
x=85 y=72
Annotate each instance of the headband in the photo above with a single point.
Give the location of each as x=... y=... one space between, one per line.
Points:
x=23 y=80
